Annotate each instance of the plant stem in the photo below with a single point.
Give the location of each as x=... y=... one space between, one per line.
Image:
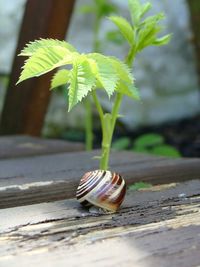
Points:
x=107 y=133
x=105 y=153
x=88 y=105
x=98 y=105
x=108 y=126
x=108 y=121
x=115 y=109
x=88 y=125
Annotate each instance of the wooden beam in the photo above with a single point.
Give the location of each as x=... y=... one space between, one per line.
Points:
x=20 y=146
x=26 y=104
x=152 y=228
x=39 y=179
x=194 y=8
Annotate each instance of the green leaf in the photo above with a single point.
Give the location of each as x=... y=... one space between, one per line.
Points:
x=115 y=37
x=60 y=78
x=149 y=30
x=124 y=27
x=32 y=47
x=126 y=82
x=163 y=40
x=123 y=71
x=121 y=143
x=155 y=19
x=135 y=10
x=81 y=81
x=148 y=140
x=145 y=8
x=104 y=72
x=46 y=59
x=129 y=90
x=147 y=37
x=166 y=150
x=139 y=185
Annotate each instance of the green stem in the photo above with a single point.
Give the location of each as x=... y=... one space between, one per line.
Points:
x=115 y=109
x=88 y=104
x=98 y=105
x=105 y=153
x=107 y=132
x=109 y=126
x=88 y=125
x=108 y=121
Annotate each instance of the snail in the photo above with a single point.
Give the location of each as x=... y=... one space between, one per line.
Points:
x=104 y=189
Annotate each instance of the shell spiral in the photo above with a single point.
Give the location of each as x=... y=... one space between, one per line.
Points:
x=103 y=189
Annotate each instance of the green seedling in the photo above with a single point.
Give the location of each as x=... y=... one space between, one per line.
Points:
x=99 y=9
x=92 y=71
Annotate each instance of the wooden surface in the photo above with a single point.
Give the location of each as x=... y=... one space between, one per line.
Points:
x=26 y=104
x=54 y=177
x=24 y=146
x=158 y=227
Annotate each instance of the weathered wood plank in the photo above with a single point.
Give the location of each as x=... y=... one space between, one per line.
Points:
x=153 y=228
x=55 y=177
x=22 y=146
x=14 y=217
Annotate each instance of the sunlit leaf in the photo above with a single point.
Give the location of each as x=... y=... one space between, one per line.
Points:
x=129 y=90
x=32 y=47
x=81 y=81
x=145 y=8
x=115 y=37
x=163 y=40
x=46 y=59
x=124 y=27
x=105 y=72
x=135 y=9
x=60 y=78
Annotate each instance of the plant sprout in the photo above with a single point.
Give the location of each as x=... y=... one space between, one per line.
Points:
x=100 y=9
x=93 y=71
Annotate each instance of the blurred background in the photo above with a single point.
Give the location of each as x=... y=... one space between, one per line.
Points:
x=165 y=122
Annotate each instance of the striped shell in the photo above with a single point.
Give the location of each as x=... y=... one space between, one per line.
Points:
x=103 y=189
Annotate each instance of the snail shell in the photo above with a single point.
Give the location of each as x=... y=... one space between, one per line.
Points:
x=103 y=189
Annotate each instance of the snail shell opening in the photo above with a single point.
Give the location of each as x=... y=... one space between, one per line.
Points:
x=104 y=189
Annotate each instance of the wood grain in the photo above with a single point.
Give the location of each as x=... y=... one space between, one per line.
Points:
x=24 y=146
x=55 y=177
x=153 y=228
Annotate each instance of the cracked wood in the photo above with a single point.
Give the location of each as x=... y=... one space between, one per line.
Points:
x=155 y=227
